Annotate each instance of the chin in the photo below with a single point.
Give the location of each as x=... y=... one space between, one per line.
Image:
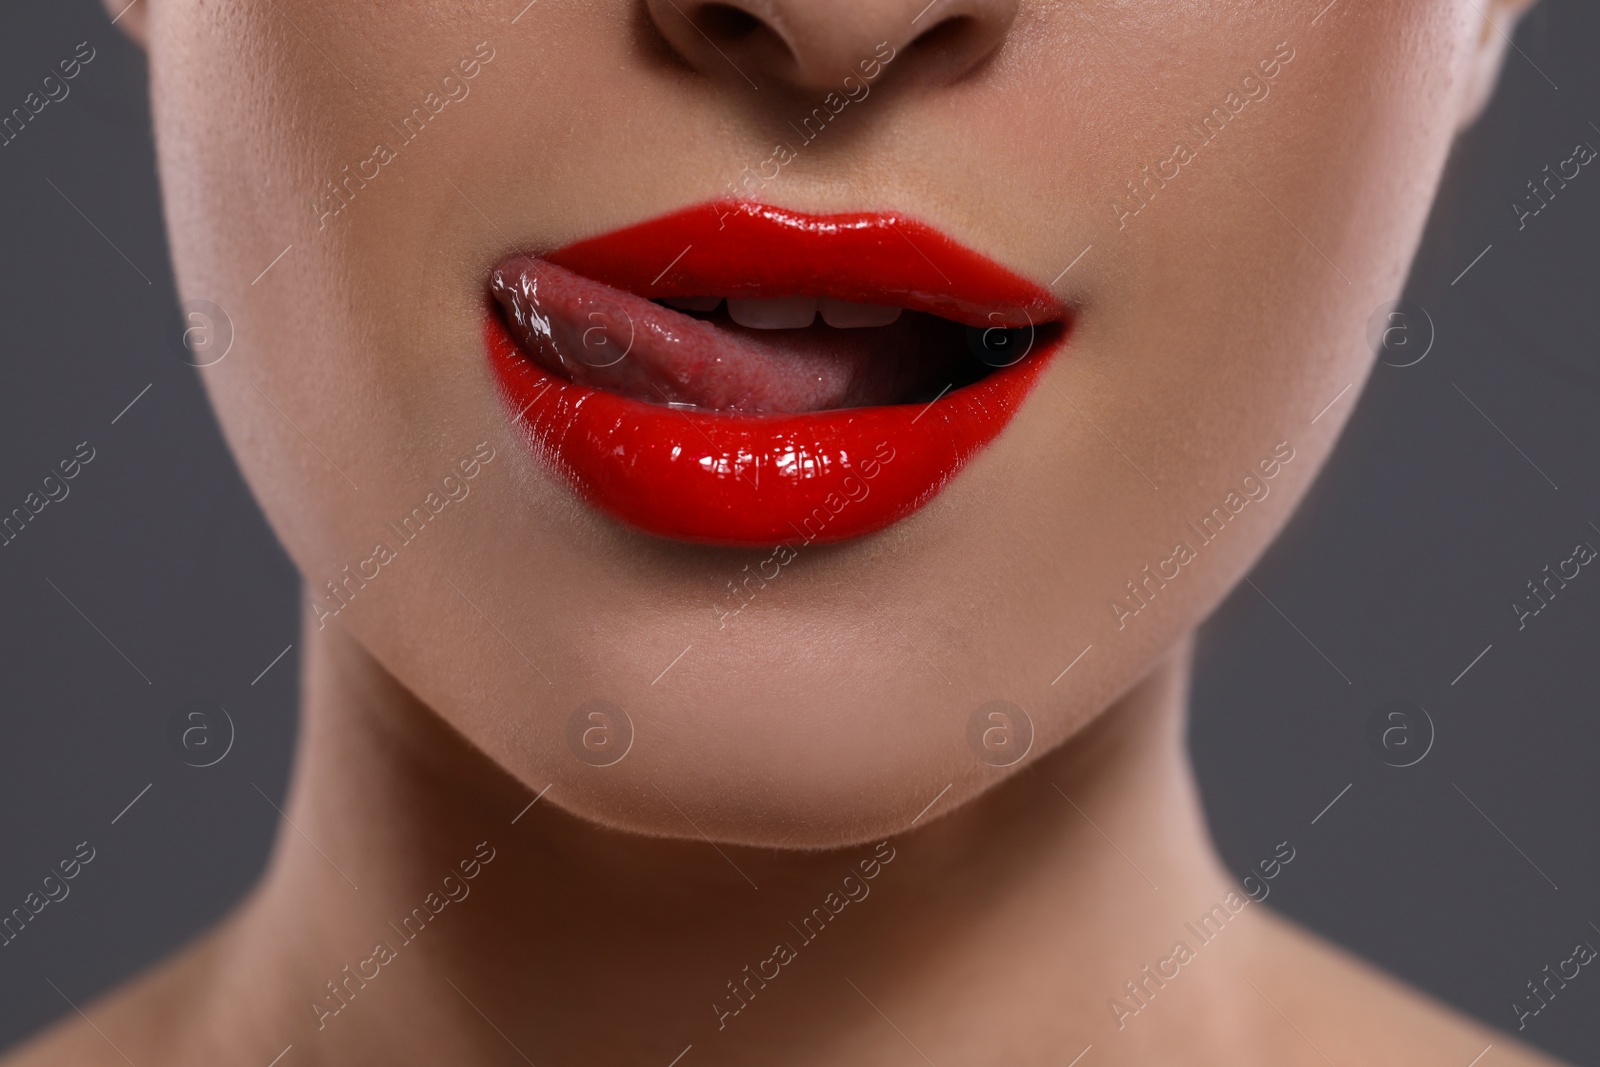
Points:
x=764 y=754
x=810 y=769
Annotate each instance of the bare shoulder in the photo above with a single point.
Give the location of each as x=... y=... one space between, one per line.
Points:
x=1356 y=1013
x=137 y=1022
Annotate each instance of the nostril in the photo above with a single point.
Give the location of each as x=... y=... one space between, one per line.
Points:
x=813 y=45
x=726 y=23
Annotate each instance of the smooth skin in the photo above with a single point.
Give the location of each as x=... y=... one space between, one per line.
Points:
x=773 y=752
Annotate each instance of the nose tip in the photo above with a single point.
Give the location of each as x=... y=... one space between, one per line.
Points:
x=815 y=44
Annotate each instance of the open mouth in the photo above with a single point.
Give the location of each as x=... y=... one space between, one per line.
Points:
x=740 y=374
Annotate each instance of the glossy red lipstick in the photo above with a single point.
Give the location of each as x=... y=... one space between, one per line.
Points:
x=702 y=430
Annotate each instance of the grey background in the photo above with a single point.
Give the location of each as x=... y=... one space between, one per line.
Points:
x=1400 y=569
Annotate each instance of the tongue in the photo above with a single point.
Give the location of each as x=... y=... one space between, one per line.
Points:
x=595 y=335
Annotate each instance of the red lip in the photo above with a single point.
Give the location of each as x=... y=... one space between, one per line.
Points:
x=732 y=478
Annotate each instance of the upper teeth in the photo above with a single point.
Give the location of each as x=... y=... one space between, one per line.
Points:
x=844 y=315
x=792 y=312
x=778 y=313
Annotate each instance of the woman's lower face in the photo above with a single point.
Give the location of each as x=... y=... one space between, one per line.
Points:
x=790 y=413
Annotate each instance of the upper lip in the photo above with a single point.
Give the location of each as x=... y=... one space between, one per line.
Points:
x=751 y=249
x=587 y=313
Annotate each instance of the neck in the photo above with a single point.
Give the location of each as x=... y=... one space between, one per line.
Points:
x=556 y=941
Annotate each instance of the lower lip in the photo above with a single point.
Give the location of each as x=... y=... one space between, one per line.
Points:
x=753 y=480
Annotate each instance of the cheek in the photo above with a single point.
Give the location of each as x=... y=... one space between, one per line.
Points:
x=1225 y=318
